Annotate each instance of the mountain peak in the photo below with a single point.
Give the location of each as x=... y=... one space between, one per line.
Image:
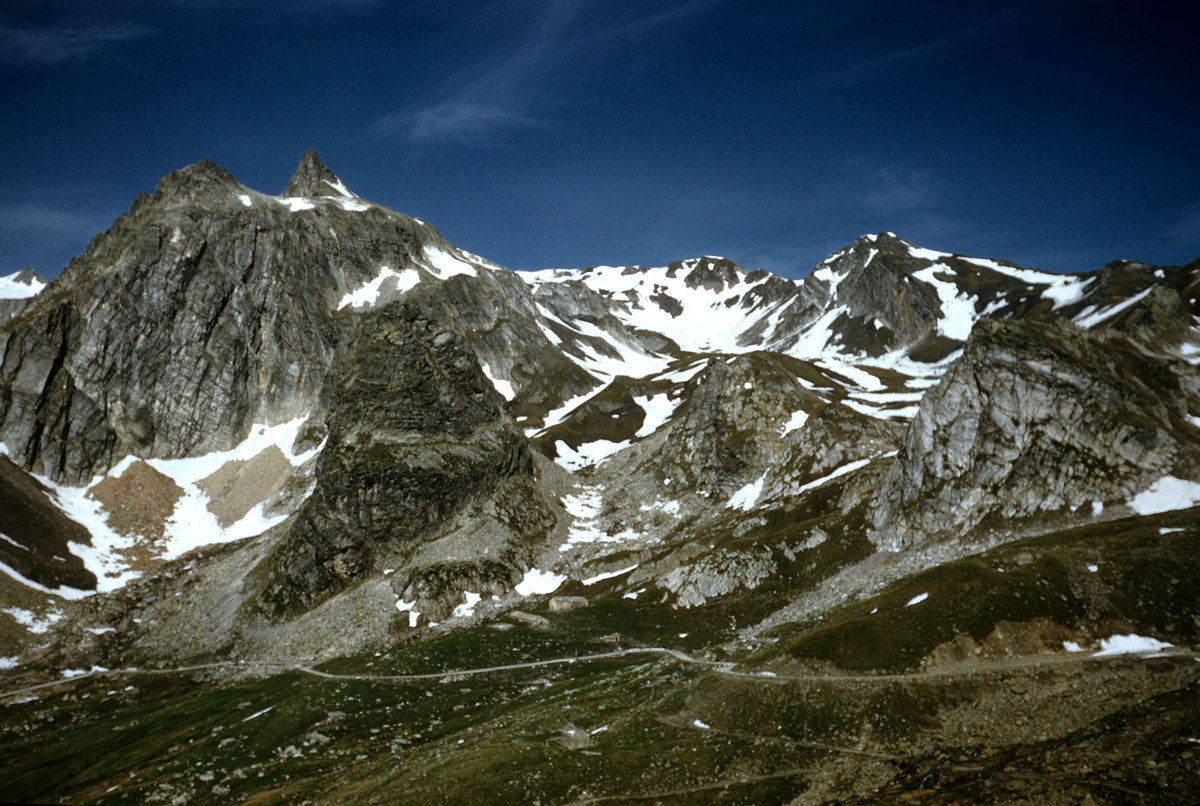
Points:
x=195 y=179
x=313 y=178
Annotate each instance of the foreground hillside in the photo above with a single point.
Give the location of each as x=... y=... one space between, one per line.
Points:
x=301 y=502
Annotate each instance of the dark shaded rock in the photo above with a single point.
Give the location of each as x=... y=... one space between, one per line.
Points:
x=417 y=435
x=312 y=178
x=38 y=533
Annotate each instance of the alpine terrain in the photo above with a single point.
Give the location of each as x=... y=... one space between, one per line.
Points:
x=301 y=503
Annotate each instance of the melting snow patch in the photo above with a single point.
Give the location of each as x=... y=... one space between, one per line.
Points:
x=407 y=607
x=502 y=386
x=560 y=414
x=538 y=582
x=697 y=723
x=589 y=453
x=745 y=498
x=446 y=265
x=958 y=310
x=191 y=525
x=244 y=199
x=1165 y=495
x=841 y=471
x=1091 y=320
x=62 y=591
x=795 y=422
x=1093 y=568
x=608 y=575
x=368 y=293
x=38 y=625
x=296 y=204
x=658 y=409
x=468 y=607
x=1131 y=645
x=8 y=663
x=1166 y=530
x=920 y=597
x=258 y=713
x=686 y=374
x=1071 y=646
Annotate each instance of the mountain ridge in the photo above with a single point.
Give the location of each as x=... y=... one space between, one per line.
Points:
x=295 y=429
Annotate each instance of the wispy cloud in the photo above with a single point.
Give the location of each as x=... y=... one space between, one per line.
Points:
x=75 y=41
x=1184 y=231
x=39 y=221
x=875 y=67
x=514 y=87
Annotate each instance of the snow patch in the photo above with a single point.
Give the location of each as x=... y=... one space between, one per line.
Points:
x=958 y=310
x=745 y=498
x=34 y=623
x=296 y=204
x=467 y=608
x=1093 y=319
x=609 y=575
x=1165 y=495
x=368 y=293
x=1130 y=644
x=445 y=265
x=920 y=597
x=537 y=582
x=502 y=386
x=658 y=409
x=589 y=453
x=794 y=423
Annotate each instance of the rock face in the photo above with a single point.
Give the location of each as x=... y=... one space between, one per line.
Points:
x=1037 y=418
x=417 y=436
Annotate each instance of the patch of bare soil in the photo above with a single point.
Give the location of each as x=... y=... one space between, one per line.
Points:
x=1008 y=639
x=241 y=485
x=138 y=502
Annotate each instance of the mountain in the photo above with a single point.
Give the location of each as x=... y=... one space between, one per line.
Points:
x=261 y=444
x=17 y=289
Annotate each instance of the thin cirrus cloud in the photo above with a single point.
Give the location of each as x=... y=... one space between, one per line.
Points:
x=40 y=221
x=887 y=64
x=64 y=42
x=1184 y=230
x=513 y=89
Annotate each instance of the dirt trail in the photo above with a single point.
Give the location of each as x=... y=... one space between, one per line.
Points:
x=967 y=669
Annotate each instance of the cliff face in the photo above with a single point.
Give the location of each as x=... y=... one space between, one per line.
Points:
x=417 y=436
x=1037 y=418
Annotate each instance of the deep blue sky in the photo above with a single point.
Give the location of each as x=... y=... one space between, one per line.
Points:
x=568 y=133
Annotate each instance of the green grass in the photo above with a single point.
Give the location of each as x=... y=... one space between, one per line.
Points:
x=1145 y=582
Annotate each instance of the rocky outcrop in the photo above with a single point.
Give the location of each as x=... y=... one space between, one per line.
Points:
x=417 y=435
x=1037 y=418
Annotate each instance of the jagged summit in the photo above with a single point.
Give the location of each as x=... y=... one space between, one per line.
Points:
x=196 y=181
x=313 y=178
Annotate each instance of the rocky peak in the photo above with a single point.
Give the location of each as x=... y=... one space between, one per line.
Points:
x=312 y=178
x=196 y=182
x=27 y=276
x=713 y=273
